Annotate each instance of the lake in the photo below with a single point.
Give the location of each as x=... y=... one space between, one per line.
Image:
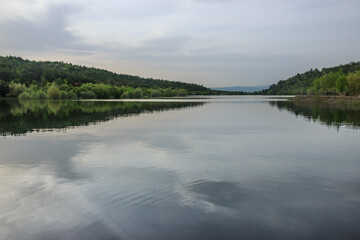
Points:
x=242 y=167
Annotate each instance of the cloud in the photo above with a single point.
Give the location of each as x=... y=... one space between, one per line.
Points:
x=30 y=10
x=48 y=34
x=215 y=43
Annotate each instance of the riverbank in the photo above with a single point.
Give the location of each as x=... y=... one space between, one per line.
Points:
x=348 y=102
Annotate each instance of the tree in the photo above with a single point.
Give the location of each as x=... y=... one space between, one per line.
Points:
x=155 y=93
x=341 y=83
x=168 y=92
x=38 y=95
x=138 y=93
x=88 y=94
x=54 y=92
x=353 y=82
x=125 y=95
x=328 y=81
x=181 y=92
x=16 y=89
x=317 y=85
x=4 y=88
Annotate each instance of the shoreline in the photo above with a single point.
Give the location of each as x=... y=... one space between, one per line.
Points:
x=329 y=101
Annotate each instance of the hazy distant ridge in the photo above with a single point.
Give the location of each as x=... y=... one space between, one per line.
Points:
x=242 y=88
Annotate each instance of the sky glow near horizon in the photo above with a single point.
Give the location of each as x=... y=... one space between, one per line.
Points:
x=210 y=42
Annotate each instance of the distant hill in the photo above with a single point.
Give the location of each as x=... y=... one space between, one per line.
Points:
x=29 y=72
x=333 y=79
x=246 y=89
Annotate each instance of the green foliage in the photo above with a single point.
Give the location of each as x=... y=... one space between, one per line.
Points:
x=181 y=92
x=353 y=82
x=293 y=84
x=335 y=80
x=125 y=95
x=71 y=95
x=86 y=82
x=40 y=94
x=341 y=84
x=16 y=89
x=4 y=88
x=169 y=93
x=54 y=92
x=24 y=95
x=88 y=94
x=328 y=81
x=130 y=92
x=138 y=93
x=64 y=94
x=155 y=93
x=68 y=95
x=40 y=73
x=33 y=88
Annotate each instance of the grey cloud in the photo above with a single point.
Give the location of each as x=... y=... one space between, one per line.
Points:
x=49 y=34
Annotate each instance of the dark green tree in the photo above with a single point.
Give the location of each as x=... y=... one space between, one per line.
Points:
x=4 y=88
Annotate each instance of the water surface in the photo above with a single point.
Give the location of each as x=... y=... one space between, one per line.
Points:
x=209 y=168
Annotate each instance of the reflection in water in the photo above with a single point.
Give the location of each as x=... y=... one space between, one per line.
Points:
x=324 y=113
x=19 y=117
x=220 y=193
x=234 y=169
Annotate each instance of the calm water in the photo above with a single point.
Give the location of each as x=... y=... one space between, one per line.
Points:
x=214 y=168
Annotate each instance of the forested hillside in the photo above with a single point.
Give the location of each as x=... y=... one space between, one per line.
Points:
x=40 y=75
x=343 y=79
x=28 y=72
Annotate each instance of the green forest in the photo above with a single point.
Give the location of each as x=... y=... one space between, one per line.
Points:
x=25 y=79
x=339 y=80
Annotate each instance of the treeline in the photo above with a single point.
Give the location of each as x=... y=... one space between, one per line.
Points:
x=343 y=79
x=36 y=78
x=85 y=91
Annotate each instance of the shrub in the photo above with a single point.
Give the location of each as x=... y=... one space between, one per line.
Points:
x=71 y=94
x=64 y=94
x=68 y=95
x=181 y=92
x=24 y=95
x=16 y=89
x=103 y=91
x=54 y=92
x=88 y=94
x=155 y=93
x=125 y=95
x=353 y=82
x=118 y=91
x=138 y=93
x=168 y=93
x=131 y=93
x=39 y=95
x=33 y=88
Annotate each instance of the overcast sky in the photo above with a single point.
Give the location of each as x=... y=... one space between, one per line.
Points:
x=211 y=42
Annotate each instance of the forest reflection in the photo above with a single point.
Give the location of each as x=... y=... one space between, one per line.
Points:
x=326 y=114
x=19 y=117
